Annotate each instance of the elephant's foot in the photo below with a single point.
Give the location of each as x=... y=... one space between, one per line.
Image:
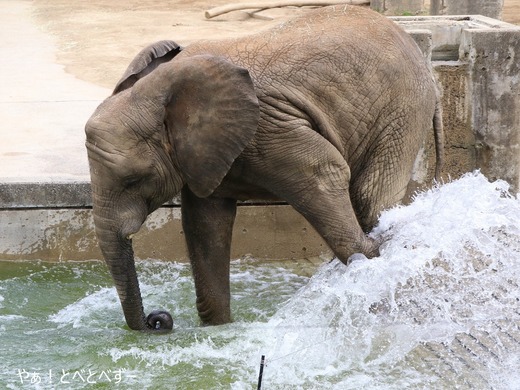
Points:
x=159 y=321
x=214 y=311
x=370 y=250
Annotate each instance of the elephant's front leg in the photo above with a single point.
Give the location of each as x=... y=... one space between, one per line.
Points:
x=307 y=171
x=208 y=226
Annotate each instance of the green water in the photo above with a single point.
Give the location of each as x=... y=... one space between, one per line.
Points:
x=61 y=326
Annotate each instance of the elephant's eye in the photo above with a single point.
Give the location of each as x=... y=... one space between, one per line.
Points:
x=131 y=181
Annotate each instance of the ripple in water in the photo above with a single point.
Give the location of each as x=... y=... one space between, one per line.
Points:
x=438 y=309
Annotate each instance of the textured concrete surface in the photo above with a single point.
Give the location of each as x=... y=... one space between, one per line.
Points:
x=398 y=7
x=491 y=8
x=42 y=112
x=479 y=75
x=42 y=108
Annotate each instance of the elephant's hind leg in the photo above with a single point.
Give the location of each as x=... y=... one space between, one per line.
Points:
x=381 y=181
x=208 y=225
x=309 y=172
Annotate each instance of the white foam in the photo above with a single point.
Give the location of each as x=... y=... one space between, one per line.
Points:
x=445 y=257
x=87 y=311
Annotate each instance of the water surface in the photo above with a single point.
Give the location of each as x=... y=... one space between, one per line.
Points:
x=438 y=309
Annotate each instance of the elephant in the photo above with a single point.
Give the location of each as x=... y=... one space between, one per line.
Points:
x=326 y=112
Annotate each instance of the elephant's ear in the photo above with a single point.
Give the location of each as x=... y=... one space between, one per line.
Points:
x=146 y=61
x=211 y=115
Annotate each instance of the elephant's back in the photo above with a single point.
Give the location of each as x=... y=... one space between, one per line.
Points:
x=333 y=66
x=336 y=44
x=332 y=20
x=341 y=30
x=337 y=31
x=346 y=68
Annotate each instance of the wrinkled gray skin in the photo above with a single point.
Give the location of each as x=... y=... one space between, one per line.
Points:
x=326 y=112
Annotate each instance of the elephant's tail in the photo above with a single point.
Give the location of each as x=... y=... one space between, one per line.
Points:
x=438 y=129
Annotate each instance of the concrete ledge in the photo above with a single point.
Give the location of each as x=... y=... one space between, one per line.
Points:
x=39 y=194
x=53 y=221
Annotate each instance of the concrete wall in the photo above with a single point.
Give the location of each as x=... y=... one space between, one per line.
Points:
x=476 y=64
x=54 y=222
x=398 y=7
x=490 y=8
x=477 y=67
x=274 y=232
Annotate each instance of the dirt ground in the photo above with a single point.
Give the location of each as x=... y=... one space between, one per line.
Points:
x=511 y=11
x=97 y=39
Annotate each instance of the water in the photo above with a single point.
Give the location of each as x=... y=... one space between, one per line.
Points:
x=438 y=309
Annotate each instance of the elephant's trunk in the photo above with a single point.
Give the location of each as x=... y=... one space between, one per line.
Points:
x=119 y=256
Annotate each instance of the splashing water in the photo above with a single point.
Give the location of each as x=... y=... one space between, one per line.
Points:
x=438 y=309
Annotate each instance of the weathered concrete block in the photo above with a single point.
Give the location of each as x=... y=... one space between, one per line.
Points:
x=39 y=194
x=490 y=8
x=494 y=72
x=474 y=58
x=397 y=7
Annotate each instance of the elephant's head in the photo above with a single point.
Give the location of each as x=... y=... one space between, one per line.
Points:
x=171 y=121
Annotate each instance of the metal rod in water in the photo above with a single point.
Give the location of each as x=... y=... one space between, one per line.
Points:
x=262 y=364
